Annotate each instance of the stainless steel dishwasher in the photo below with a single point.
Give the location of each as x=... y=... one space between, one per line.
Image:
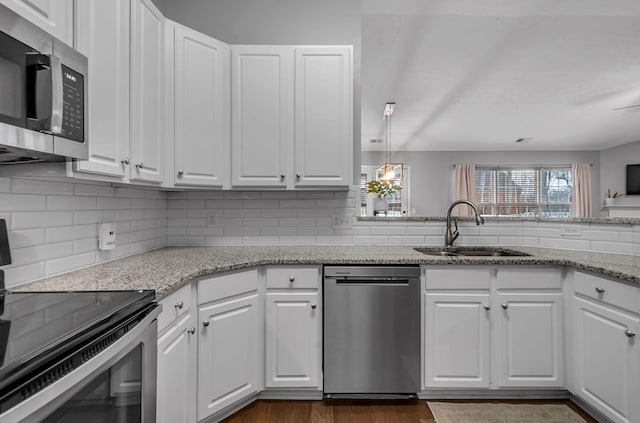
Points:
x=371 y=330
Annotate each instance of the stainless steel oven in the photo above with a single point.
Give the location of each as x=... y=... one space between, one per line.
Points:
x=78 y=357
x=43 y=94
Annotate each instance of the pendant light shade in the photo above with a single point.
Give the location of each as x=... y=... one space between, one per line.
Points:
x=389 y=171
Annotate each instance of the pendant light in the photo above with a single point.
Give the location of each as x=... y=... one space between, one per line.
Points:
x=389 y=171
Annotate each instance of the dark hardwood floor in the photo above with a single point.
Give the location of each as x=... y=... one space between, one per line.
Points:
x=356 y=411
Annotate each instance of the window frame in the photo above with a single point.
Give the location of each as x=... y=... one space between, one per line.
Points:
x=538 y=208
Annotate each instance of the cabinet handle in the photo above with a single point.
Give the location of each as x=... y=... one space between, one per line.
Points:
x=179 y=305
x=191 y=331
x=291 y=279
x=140 y=165
x=505 y=306
x=205 y=323
x=298 y=175
x=125 y=161
x=180 y=172
x=282 y=175
x=629 y=333
x=313 y=306
x=599 y=290
x=486 y=307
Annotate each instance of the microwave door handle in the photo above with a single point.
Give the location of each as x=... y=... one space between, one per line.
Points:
x=57 y=96
x=39 y=92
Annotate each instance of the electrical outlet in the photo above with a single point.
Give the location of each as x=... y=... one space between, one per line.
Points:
x=571 y=231
x=212 y=219
x=341 y=221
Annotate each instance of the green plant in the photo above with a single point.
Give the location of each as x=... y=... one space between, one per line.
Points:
x=612 y=195
x=382 y=188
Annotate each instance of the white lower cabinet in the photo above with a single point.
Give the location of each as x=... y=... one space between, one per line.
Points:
x=457 y=340
x=229 y=350
x=177 y=349
x=293 y=336
x=493 y=328
x=607 y=357
x=530 y=340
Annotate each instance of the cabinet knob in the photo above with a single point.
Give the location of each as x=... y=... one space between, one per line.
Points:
x=282 y=175
x=179 y=305
x=180 y=172
x=629 y=333
x=298 y=175
x=599 y=290
x=505 y=306
x=140 y=165
x=205 y=323
x=486 y=307
x=313 y=306
x=191 y=331
x=291 y=279
x=125 y=161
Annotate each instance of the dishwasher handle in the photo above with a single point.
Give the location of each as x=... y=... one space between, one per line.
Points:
x=369 y=281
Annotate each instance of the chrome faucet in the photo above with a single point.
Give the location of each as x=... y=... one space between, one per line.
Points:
x=451 y=236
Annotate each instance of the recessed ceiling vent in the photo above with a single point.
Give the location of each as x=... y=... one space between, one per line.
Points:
x=523 y=140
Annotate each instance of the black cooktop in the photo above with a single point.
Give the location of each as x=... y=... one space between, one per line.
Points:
x=35 y=327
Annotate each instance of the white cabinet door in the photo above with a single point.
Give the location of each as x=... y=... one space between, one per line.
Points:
x=177 y=372
x=607 y=360
x=457 y=340
x=102 y=34
x=323 y=116
x=200 y=109
x=54 y=16
x=293 y=340
x=262 y=90
x=228 y=352
x=147 y=92
x=530 y=340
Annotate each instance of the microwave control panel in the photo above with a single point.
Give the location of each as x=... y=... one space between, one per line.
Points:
x=73 y=109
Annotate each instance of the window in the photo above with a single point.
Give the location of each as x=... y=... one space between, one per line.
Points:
x=398 y=202
x=526 y=191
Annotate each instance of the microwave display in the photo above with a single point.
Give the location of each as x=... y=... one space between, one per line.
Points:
x=73 y=109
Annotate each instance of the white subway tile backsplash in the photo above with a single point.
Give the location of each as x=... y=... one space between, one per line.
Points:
x=69 y=233
x=94 y=190
x=26 y=238
x=69 y=202
x=93 y=216
x=31 y=186
x=40 y=253
x=21 y=202
x=40 y=219
x=612 y=247
x=20 y=274
x=85 y=245
x=5 y=184
x=116 y=203
x=65 y=264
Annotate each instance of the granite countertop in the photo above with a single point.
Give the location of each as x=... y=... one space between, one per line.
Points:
x=598 y=220
x=169 y=268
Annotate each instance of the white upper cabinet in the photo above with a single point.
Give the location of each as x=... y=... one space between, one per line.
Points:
x=323 y=116
x=54 y=16
x=102 y=34
x=198 y=108
x=262 y=90
x=292 y=116
x=147 y=92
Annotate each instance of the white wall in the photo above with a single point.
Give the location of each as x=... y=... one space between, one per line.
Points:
x=432 y=171
x=613 y=175
x=53 y=225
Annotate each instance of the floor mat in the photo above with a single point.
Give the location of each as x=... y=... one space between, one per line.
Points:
x=449 y=412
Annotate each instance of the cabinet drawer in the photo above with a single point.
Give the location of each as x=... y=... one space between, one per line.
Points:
x=615 y=293
x=458 y=278
x=528 y=278
x=227 y=285
x=293 y=277
x=173 y=306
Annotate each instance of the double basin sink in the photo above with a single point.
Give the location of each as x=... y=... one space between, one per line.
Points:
x=471 y=252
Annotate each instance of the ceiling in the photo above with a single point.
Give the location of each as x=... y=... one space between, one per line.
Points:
x=477 y=75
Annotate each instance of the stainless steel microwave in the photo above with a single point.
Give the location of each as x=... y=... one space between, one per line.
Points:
x=43 y=95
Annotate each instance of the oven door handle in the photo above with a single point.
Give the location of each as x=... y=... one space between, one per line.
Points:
x=45 y=402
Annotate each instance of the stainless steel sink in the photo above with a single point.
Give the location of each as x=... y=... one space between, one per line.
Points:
x=472 y=252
